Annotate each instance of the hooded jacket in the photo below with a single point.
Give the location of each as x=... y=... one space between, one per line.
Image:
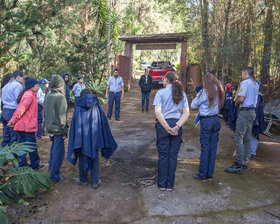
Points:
x=56 y=107
x=25 y=116
x=67 y=88
x=89 y=131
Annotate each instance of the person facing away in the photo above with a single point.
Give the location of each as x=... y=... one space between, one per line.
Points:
x=172 y=111
x=228 y=97
x=41 y=95
x=6 y=79
x=24 y=121
x=115 y=92
x=65 y=77
x=89 y=132
x=77 y=89
x=56 y=124
x=246 y=101
x=10 y=94
x=145 y=84
x=209 y=100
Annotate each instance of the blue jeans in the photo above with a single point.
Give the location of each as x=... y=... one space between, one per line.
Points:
x=9 y=135
x=41 y=121
x=168 y=147
x=34 y=156
x=147 y=97
x=209 y=136
x=56 y=156
x=114 y=97
x=85 y=165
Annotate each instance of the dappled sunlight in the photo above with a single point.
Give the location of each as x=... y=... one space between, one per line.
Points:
x=270 y=143
x=188 y=161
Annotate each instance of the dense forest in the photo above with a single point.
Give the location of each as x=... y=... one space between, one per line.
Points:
x=45 y=37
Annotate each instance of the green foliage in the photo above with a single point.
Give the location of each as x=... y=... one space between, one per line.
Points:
x=16 y=180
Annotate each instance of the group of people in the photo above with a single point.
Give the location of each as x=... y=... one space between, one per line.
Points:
x=23 y=99
x=172 y=111
x=90 y=131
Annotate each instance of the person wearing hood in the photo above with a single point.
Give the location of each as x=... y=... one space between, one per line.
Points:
x=65 y=77
x=24 y=121
x=55 y=117
x=89 y=132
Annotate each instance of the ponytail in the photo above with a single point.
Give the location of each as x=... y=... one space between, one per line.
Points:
x=177 y=89
x=20 y=96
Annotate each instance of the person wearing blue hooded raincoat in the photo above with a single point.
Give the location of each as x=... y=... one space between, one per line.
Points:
x=89 y=132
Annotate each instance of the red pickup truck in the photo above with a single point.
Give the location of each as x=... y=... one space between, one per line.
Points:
x=158 y=69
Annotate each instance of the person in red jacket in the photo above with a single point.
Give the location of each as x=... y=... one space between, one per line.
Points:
x=24 y=121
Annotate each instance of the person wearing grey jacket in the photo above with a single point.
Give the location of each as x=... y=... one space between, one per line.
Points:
x=56 y=124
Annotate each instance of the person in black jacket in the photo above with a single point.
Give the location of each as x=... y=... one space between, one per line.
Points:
x=145 y=84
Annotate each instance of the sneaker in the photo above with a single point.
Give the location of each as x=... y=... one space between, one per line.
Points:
x=118 y=119
x=96 y=185
x=245 y=167
x=235 y=168
x=147 y=111
x=60 y=179
x=170 y=189
x=197 y=177
x=209 y=177
x=108 y=118
x=162 y=188
x=39 y=167
x=78 y=181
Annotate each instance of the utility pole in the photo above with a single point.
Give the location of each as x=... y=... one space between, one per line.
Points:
x=109 y=39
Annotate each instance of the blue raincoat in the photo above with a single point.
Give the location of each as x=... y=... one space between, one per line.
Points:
x=89 y=132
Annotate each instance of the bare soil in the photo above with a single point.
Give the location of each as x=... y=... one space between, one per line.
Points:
x=128 y=194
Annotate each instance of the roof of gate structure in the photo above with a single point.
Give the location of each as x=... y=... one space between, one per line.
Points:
x=156 y=38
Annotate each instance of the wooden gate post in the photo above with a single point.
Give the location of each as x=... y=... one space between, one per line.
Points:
x=184 y=64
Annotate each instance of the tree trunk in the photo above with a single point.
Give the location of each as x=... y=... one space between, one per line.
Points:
x=204 y=6
x=225 y=43
x=265 y=64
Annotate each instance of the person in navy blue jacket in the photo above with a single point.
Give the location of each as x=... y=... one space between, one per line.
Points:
x=65 y=77
x=89 y=132
x=209 y=100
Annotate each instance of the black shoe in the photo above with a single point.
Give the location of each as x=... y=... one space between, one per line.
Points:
x=40 y=167
x=209 y=177
x=235 y=168
x=60 y=179
x=245 y=167
x=197 y=177
x=147 y=111
x=118 y=119
x=108 y=118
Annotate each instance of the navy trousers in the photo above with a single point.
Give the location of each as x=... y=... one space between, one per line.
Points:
x=168 y=147
x=56 y=156
x=145 y=96
x=209 y=136
x=9 y=135
x=34 y=156
x=114 y=97
x=41 y=121
x=86 y=165
x=77 y=98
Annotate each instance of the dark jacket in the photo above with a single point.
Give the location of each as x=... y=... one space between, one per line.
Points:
x=259 y=125
x=89 y=131
x=56 y=107
x=67 y=88
x=145 y=87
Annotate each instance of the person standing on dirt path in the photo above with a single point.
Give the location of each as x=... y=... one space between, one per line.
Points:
x=24 y=121
x=65 y=76
x=56 y=124
x=172 y=111
x=145 y=84
x=246 y=101
x=209 y=100
x=10 y=93
x=89 y=133
x=115 y=89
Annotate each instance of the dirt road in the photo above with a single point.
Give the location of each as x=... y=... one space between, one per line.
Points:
x=127 y=193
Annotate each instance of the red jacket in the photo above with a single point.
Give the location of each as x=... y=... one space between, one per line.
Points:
x=25 y=116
